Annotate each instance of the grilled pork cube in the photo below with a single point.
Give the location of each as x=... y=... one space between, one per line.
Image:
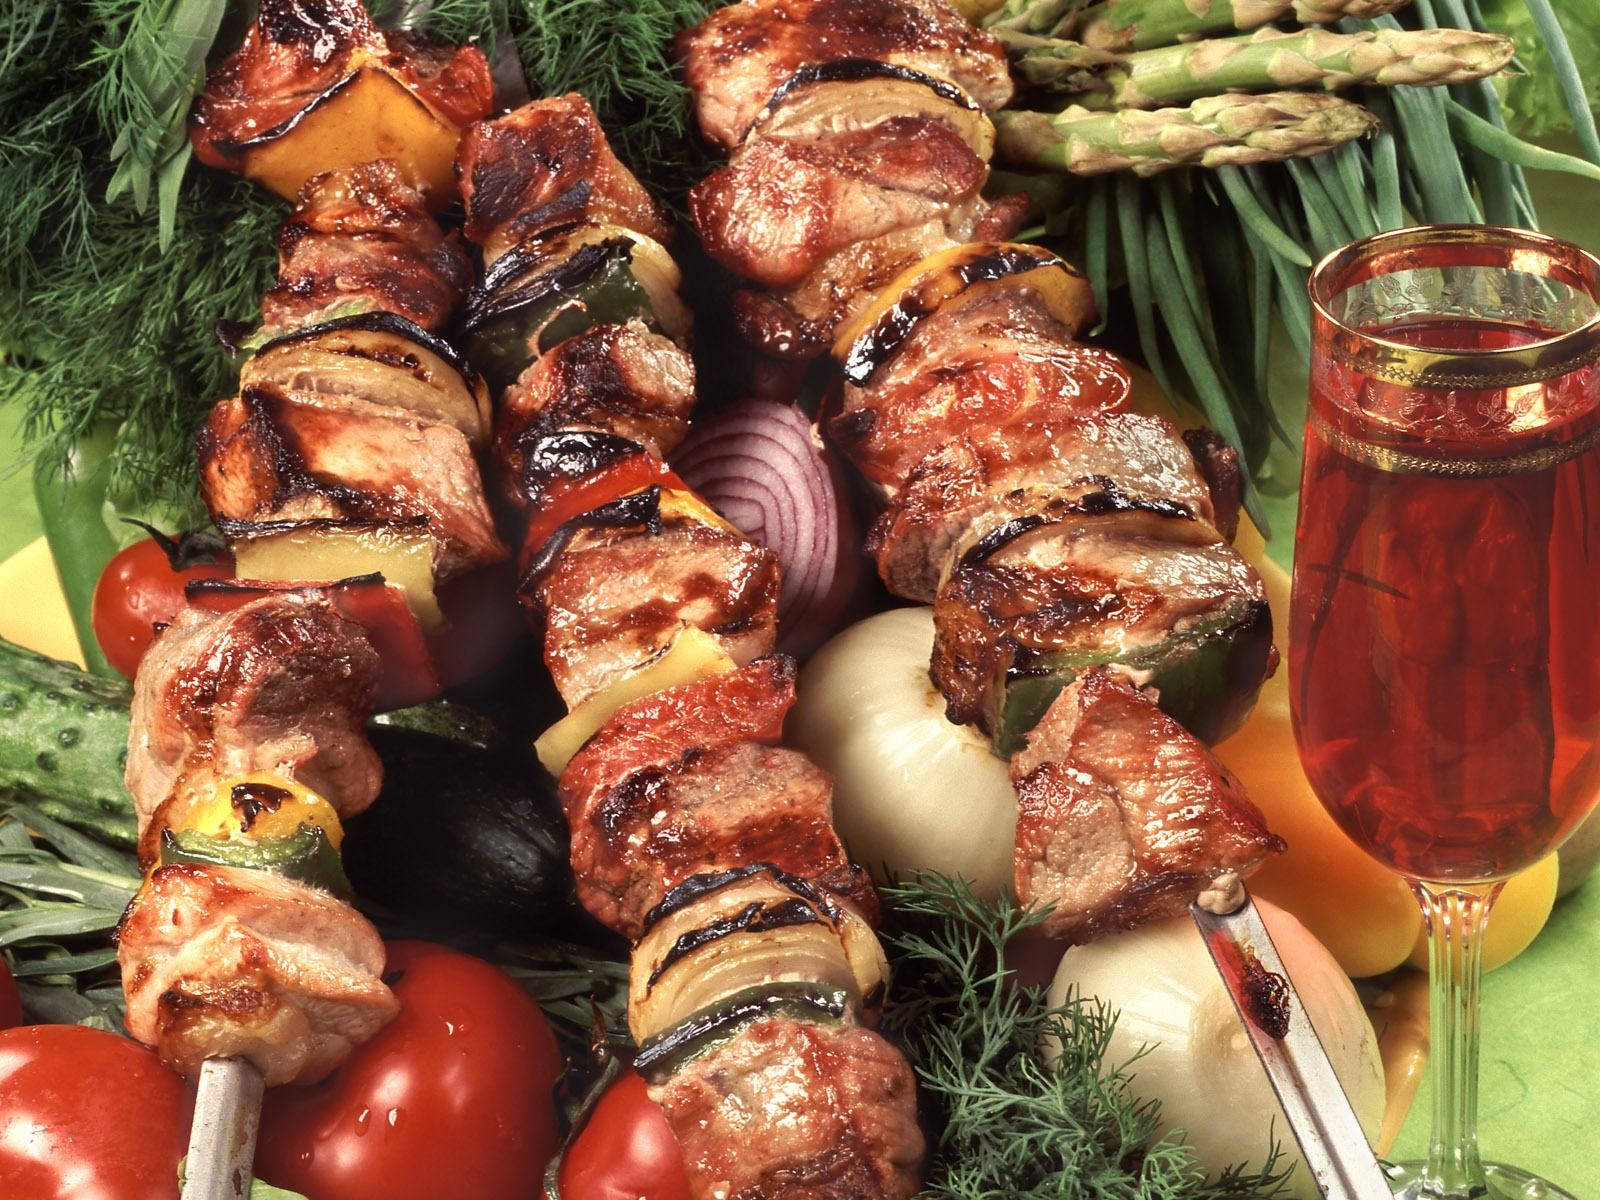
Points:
x=613 y=599
x=220 y=962
x=273 y=455
x=295 y=52
x=970 y=487
x=790 y=1109
x=363 y=233
x=282 y=684
x=780 y=207
x=615 y=379
x=546 y=164
x=740 y=55
x=695 y=753
x=1106 y=586
x=1124 y=817
x=985 y=367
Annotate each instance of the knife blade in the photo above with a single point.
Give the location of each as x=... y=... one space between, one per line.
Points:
x=1331 y=1140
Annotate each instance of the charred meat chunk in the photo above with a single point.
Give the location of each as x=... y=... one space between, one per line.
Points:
x=362 y=234
x=1124 y=816
x=789 y=1109
x=741 y=54
x=220 y=962
x=547 y=164
x=273 y=455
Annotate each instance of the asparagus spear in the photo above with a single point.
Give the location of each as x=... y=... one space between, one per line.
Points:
x=1213 y=131
x=1122 y=25
x=1264 y=60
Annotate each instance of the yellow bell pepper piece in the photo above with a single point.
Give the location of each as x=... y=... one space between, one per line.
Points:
x=262 y=806
x=693 y=655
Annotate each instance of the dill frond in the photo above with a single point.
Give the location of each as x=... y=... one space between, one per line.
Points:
x=1012 y=1123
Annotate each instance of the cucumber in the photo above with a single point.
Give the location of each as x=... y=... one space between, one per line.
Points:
x=64 y=742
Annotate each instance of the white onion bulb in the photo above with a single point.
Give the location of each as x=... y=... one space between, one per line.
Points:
x=911 y=790
x=1198 y=1060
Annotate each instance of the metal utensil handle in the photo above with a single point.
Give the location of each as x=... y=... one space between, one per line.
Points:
x=1332 y=1143
x=222 y=1139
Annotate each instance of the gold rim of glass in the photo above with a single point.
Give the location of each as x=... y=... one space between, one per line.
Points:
x=1398 y=362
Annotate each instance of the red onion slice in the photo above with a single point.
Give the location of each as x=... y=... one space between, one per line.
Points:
x=762 y=468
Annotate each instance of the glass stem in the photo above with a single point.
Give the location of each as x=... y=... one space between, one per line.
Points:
x=1455 y=917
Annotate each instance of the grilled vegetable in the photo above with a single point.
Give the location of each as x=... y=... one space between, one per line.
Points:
x=1206 y=674
x=380 y=357
x=872 y=336
x=334 y=549
x=264 y=808
x=308 y=855
x=666 y=1053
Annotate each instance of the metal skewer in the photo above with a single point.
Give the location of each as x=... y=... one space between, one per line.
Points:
x=222 y=1139
x=1332 y=1143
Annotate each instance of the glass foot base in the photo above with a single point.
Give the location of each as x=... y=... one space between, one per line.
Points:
x=1504 y=1183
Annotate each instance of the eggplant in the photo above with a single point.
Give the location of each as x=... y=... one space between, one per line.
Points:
x=856 y=93
x=666 y=1053
x=1206 y=676
x=305 y=855
x=383 y=358
x=874 y=336
x=462 y=839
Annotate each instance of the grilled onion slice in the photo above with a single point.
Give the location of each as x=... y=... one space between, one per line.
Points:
x=857 y=93
x=874 y=335
x=383 y=358
x=753 y=928
x=329 y=549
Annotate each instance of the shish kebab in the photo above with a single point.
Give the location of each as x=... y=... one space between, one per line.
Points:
x=343 y=477
x=755 y=973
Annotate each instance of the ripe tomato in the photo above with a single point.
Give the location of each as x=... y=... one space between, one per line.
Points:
x=141 y=587
x=452 y=1098
x=625 y=1150
x=88 y=1115
x=10 y=1002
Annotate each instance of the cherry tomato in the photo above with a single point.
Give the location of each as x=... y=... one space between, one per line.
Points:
x=141 y=587
x=88 y=1115
x=10 y=1002
x=625 y=1150
x=452 y=1098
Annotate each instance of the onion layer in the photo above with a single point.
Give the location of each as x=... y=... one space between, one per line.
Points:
x=763 y=468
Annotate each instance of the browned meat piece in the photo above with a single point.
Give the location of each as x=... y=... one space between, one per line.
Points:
x=987 y=366
x=283 y=684
x=1092 y=584
x=617 y=379
x=799 y=321
x=1219 y=464
x=738 y=56
x=363 y=234
x=967 y=488
x=613 y=599
x=219 y=962
x=272 y=455
x=545 y=164
x=787 y=1109
x=1124 y=817
x=709 y=811
x=294 y=51
x=781 y=207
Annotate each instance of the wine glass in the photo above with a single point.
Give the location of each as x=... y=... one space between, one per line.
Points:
x=1444 y=646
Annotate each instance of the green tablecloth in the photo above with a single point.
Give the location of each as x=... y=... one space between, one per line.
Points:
x=1540 y=1104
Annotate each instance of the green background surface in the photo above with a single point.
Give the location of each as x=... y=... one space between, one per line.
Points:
x=1540 y=1102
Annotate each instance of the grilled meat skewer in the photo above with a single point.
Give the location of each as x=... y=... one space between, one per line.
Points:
x=1075 y=552
x=755 y=970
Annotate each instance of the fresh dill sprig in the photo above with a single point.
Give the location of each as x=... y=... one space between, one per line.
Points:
x=1011 y=1122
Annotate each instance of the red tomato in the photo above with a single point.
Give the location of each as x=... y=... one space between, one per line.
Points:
x=625 y=1150
x=452 y=1098
x=139 y=589
x=10 y=1002
x=88 y=1115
